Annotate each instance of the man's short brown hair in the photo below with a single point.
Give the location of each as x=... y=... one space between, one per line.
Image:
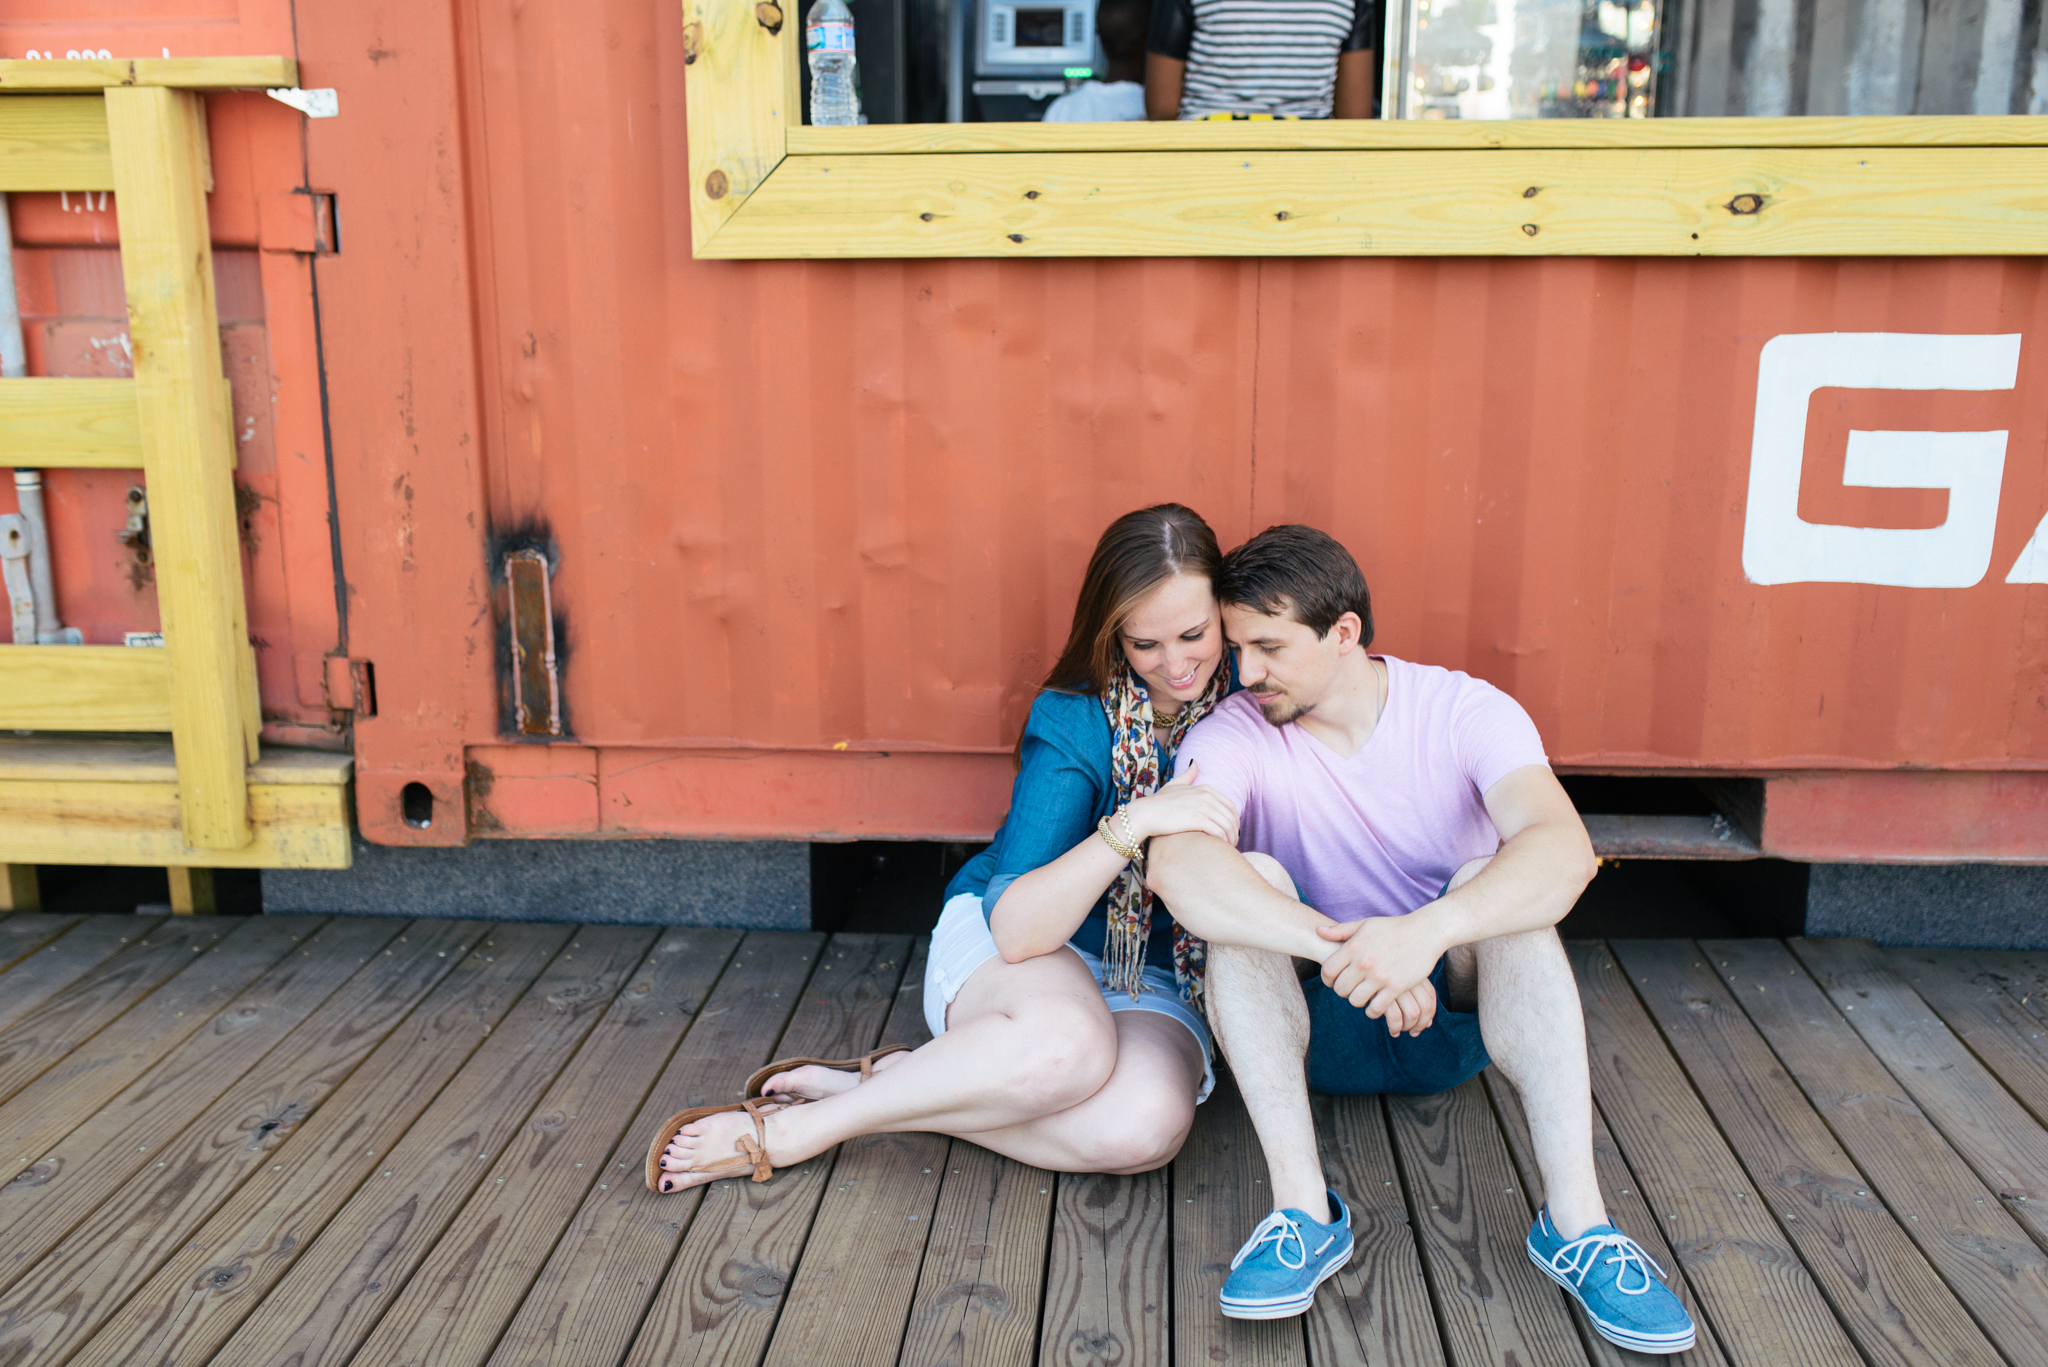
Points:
x=1301 y=572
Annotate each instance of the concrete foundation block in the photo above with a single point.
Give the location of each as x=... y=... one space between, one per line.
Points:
x=1964 y=906
x=750 y=884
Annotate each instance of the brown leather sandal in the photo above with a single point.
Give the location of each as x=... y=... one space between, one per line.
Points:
x=866 y=1064
x=753 y=1148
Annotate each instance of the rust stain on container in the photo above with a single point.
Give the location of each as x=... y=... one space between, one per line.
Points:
x=529 y=607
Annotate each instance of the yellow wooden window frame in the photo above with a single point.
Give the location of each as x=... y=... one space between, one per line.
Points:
x=763 y=186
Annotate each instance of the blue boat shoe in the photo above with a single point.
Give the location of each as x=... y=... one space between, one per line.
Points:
x=1608 y=1273
x=1276 y=1273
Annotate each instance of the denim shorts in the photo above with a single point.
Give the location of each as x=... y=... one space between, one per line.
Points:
x=961 y=943
x=1351 y=1054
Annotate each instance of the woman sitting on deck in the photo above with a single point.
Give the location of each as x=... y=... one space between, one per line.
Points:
x=1065 y=1014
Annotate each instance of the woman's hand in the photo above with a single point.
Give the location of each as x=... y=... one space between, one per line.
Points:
x=1185 y=805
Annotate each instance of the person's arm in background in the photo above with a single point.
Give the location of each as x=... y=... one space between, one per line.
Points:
x=1355 y=73
x=1166 y=56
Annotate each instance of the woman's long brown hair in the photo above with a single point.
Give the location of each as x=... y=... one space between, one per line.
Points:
x=1139 y=552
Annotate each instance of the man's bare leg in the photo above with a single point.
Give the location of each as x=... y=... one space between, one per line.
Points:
x=1260 y=1021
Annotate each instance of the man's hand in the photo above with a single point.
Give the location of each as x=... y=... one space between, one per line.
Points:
x=1382 y=964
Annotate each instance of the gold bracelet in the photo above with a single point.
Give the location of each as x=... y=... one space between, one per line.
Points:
x=1111 y=839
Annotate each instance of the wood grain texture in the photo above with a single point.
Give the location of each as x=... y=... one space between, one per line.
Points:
x=742 y=96
x=1887 y=1296
x=1977 y=1245
x=1376 y=1312
x=37 y=977
x=54 y=142
x=590 y=1298
x=853 y=1287
x=979 y=1290
x=84 y=688
x=1973 y=1002
x=1472 y=135
x=1472 y=1219
x=470 y=1286
x=1106 y=1293
x=1219 y=1196
x=188 y=451
x=1654 y=202
x=122 y=1191
x=68 y=423
x=1625 y=1210
x=1763 y=1303
x=184 y=73
x=20 y=888
x=95 y=1070
x=1980 y=1119
x=23 y=933
x=294 y=824
x=220 y=1271
x=333 y=1292
x=726 y=1286
x=129 y=759
x=69 y=1017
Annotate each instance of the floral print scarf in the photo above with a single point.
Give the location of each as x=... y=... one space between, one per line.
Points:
x=1135 y=772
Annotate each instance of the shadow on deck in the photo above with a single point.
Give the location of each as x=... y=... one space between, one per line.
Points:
x=366 y=1141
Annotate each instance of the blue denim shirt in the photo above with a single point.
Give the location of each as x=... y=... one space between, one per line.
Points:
x=1062 y=790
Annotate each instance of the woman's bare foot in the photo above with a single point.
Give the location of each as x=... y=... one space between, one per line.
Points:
x=814 y=1083
x=703 y=1143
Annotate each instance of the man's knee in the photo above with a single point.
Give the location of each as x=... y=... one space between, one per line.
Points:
x=1273 y=872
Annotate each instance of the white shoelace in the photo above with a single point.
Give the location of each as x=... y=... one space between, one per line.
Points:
x=1581 y=1256
x=1279 y=1229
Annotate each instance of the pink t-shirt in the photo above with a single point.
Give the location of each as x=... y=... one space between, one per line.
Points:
x=1380 y=833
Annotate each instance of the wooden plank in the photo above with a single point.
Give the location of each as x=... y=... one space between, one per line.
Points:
x=56 y=424
x=335 y=1290
x=91 y=1218
x=2004 y=1035
x=1893 y=1304
x=979 y=1287
x=83 y=688
x=53 y=142
x=590 y=1298
x=96 y=1071
x=1981 y=1120
x=1395 y=135
x=1625 y=1210
x=1658 y=202
x=1106 y=1297
x=152 y=760
x=1473 y=1220
x=418 y=1018
x=1219 y=1196
x=470 y=1286
x=1376 y=1312
x=41 y=1038
x=188 y=453
x=23 y=934
x=742 y=98
x=719 y=1301
x=192 y=891
x=35 y=978
x=1763 y=1303
x=20 y=888
x=296 y=825
x=183 y=73
x=852 y=1291
x=1978 y=1248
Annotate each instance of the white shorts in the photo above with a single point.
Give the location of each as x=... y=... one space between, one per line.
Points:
x=961 y=943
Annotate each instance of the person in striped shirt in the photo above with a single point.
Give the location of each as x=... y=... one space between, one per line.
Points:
x=1282 y=59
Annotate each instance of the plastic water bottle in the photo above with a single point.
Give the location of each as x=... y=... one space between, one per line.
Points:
x=835 y=73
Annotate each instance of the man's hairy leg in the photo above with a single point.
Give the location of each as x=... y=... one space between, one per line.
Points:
x=1535 y=1030
x=1261 y=1023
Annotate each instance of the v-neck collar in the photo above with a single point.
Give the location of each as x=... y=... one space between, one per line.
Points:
x=1379 y=723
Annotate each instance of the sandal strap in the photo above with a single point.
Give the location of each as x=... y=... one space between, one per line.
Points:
x=755 y=1146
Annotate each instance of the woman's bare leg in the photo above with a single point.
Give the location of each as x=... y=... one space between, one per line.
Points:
x=1023 y=1040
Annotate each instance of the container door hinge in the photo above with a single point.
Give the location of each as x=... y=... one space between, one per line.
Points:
x=352 y=686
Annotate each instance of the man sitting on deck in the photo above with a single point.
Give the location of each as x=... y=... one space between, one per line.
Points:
x=1402 y=830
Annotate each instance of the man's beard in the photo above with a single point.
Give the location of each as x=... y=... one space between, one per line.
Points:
x=1278 y=711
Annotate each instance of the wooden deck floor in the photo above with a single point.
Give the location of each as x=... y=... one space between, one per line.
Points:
x=378 y=1142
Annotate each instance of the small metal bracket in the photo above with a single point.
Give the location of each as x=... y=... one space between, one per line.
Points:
x=314 y=104
x=351 y=686
x=536 y=684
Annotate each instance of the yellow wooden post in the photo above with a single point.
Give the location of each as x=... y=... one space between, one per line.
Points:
x=18 y=888
x=158 y=139
x=742 y=91
x=192 y=891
